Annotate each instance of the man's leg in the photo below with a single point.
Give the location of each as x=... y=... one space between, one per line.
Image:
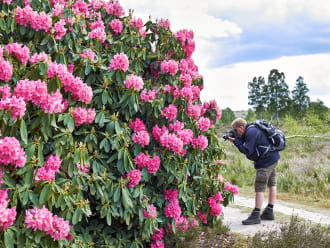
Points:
x=272 y=195
x=259 y=200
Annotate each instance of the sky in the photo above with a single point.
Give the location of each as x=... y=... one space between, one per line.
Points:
x=237 y=40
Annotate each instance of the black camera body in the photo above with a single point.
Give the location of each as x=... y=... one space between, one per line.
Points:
x=231 y=133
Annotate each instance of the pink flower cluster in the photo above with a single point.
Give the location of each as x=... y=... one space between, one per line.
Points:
x=47 y=172
x=43 y=220
x=151 y=212
x=138 y=23
x=16 y=105
x=80 y=7
x=157 y=238
x=83 y=168
x=75 y=85
x=170 y=112
x=186 y=38
x=171 y=195
x=214 y=203
x=98 y=33
x=37 y=21
x=137 y=125
x=194 y=111
x=200 y=142
x=114 y=8
x=58 y=10
x=116 y=26
x=59 y=29
x=5 y=91
x=36 y=91
x=7 y=1
x=119 y=61
x=11 y=152
x=173 y=209
x=142 y=160
x=141 y=137
x=212 y=105
x=134 y=82
x=39 y=57
x=6 y=70
x=21 y=51
x=231 y=188
x=165 y=23
x=7 y=215
x=170 y=66
x=202 y=216
x=183 y=223
x=83 y=116
x=148 y=96
x=186 y=135
x=204 y=124
x=177 y=126
x=134 y=177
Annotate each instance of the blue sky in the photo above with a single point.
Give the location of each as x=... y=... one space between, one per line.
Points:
x=239 y=39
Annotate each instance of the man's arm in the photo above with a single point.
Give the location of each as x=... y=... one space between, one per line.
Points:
x=249 y=146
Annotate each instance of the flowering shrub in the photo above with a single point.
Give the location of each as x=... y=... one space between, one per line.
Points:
x=104 y=141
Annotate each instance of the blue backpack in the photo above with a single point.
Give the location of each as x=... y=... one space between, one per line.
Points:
x=275 y=136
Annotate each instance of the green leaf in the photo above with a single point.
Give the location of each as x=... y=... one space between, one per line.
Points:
x=9 y=237
x=126 y=200
x=23 y=131
x=29 y=176
x=42 y=68
x=44 y=194
x=109 y=217
x=116 y=195
x=76 y=216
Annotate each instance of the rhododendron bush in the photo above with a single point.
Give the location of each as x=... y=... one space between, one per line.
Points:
x=104 y=141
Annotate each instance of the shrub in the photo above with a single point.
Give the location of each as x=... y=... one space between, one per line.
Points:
x=100 y=143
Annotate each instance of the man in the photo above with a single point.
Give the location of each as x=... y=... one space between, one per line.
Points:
x=252 y=142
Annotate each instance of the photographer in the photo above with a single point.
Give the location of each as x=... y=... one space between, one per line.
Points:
x=250 y=140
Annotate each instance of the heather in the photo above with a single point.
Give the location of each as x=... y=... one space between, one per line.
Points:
x=104 y=141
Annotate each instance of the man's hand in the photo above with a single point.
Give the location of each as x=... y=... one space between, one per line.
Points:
x=231 y=139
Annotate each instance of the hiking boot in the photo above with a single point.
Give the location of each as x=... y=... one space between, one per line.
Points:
x=267 y=214
x=254 y=218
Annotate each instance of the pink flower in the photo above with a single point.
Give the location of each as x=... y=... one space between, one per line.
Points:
x=137 y=125
x=98 y=33
x=134 y=82
x=83 y=168
x=47 y=172
x=172 y=210
x=231 y=188
x=186 y=135
x=116 y=26
x=119 y=61
x=157 y=244
x=177 y=126
x=83 y=116
x=134 y=178
x=7 y=215
x=80 y=7
x=171 y=195
x=6 y=70
x=141 y=137
x=153 y=164
x=137 y=23
x=170 y=112
x=203 y=124
x=148 y=96
x=151 y=212
x=11 y=152
x=194 y=111
x=16 y=105
x=202 y=216
x=5 y=91
x=39 y=57
x=89 y=54
x=59 y=29
x=54 y=103
x=201 y=142
x=157 y=235
x=21 y=52
x=142 y=160
x=170 y=66
x=164 y=23
x=43 y=220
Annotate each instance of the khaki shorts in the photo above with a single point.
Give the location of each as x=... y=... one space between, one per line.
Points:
x=265 y=176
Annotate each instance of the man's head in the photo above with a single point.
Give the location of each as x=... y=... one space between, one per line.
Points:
x=239 y=125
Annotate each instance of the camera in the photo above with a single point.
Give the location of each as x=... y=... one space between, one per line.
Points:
x=231 y=133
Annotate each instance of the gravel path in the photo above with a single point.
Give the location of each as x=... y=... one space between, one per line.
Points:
x=233 y=216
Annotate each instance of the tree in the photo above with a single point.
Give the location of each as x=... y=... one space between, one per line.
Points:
x=278 y=95
x=251 y=116
x=300 y=100
x=104 y=141
x=227 y=116
x=257 y=95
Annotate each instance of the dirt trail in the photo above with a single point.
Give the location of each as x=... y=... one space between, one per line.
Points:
x=233 y=216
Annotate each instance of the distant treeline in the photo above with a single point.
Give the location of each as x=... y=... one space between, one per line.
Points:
x=273 y=101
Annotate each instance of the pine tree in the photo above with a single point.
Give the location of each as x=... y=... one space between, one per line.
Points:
x=257 y=96
x=299 y=97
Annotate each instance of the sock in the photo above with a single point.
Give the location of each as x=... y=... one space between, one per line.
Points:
x=256 y=209
x=270 y=206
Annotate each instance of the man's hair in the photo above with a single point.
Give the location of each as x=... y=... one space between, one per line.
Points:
x=237 y=123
